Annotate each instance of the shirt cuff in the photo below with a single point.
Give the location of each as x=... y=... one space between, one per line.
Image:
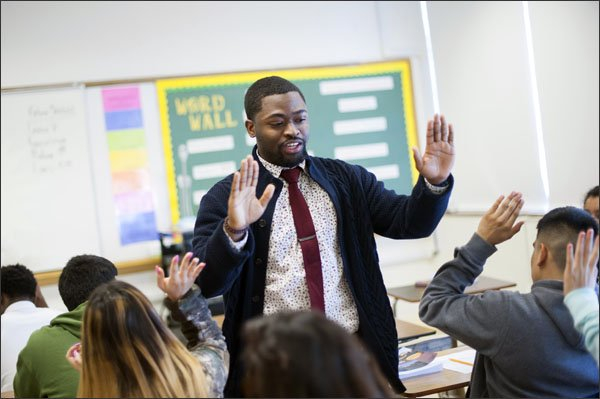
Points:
x=437 y=189
x=236 y=245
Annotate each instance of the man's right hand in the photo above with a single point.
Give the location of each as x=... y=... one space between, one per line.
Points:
x=243 y=206
x=498 y=223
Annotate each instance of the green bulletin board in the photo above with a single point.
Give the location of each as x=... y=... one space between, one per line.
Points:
x=362 y=114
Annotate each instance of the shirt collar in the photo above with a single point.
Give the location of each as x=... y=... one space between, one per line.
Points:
x=275 y=170
x=19 y=306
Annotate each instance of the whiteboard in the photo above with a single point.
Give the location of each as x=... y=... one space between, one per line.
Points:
x=48 y=200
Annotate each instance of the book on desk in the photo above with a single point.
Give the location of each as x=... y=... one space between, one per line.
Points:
x=413 y=363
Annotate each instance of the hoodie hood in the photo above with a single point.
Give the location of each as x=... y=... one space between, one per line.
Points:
x=549 y=296
x=70 y=321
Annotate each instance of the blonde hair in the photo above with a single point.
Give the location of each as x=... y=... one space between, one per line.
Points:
x=127 y=351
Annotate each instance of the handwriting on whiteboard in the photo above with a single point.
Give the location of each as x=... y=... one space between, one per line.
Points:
x=48 y=137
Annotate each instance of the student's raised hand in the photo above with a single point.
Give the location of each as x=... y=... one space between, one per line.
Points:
x=436 y=163
x=243 y=208
x=74 y=356
x=181 y=277
x=580 y=269
x=498 y=223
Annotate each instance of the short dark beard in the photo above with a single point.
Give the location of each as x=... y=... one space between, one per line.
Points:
x=298 y=162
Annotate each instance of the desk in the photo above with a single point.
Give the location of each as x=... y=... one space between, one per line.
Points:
x=408 y=331
x=219 y=319
x=441 y=381
x=411 y=293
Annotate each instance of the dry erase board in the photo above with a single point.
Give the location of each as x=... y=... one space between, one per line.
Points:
x=362 y=114
x=48 y=201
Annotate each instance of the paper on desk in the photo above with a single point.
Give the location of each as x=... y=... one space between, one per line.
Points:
x=461 y=362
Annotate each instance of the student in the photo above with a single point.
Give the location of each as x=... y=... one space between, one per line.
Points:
x=526 y=343
x=581 y=298
x=591 y=202
x=304 y=355
x=42 y=370
x=125 y=341
x=20 y=316
x=273 y=245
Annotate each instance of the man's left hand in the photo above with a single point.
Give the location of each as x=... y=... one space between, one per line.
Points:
x=437 y=161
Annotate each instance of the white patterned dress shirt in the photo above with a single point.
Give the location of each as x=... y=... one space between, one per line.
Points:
x=285 y=287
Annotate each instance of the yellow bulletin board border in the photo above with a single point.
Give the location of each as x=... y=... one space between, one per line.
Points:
x=348 y=71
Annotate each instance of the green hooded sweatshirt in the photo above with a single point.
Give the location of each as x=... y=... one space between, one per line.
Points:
x=42 y=368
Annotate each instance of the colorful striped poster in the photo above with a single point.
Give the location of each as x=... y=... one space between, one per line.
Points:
x=128 y=157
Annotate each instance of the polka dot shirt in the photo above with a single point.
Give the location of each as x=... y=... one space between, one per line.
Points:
x=286 y=287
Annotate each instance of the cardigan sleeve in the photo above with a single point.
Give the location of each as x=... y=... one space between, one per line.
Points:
x=211 y=244
x=404 y=216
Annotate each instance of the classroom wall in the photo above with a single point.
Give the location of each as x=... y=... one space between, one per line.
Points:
x=481 y=75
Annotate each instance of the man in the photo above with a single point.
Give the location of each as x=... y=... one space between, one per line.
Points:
x=591 y=202
x=526 y=343
x=42 y=369
x=22 y=314
x=257 y=232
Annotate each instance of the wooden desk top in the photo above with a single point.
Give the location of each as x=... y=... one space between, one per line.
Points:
x=219 y=319
x=441 y=381
x=407 y=331
x=411 y=293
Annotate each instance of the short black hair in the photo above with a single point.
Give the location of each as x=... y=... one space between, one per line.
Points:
x=18 y=281
x=561 y=226
x=594 y=192
x=81 y=275
x=266 y=87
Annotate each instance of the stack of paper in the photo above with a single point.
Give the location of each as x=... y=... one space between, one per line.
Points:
x=459 y=361
x=413 y=363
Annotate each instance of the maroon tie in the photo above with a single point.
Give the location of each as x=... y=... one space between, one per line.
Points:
x=307 y=237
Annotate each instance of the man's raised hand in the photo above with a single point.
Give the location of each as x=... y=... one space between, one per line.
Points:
x=438 y=159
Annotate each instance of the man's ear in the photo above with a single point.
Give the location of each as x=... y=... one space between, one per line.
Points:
x=250 y=128
x=542 y=258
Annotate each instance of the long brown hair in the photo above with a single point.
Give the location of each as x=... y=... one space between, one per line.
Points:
x=302 y=354
x=127 y=351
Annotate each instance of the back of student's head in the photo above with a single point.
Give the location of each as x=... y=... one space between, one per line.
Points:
x=593 y=192
x=81 y=275
x=263 y=88
x=124 y=341
x=561 y=226
x=303 y=354
x=591 y=202
x=18 y=282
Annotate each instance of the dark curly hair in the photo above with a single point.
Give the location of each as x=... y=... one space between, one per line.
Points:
x=81 y=275
x=18 y=281
x=266 y=87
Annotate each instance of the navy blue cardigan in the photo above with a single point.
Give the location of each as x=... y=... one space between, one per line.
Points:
x=363 y=207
